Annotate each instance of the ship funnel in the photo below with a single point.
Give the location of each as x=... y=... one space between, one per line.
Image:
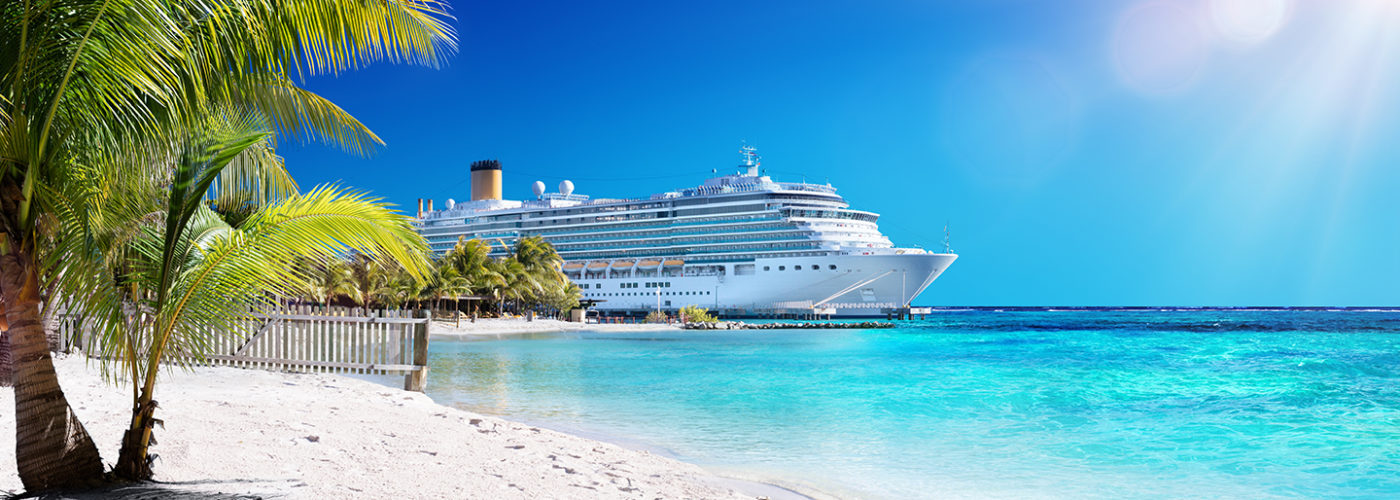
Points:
x=486 y=180
x=420 y=208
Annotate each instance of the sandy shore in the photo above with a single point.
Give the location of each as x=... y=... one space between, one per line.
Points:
x=288 y=435
x=493 y=327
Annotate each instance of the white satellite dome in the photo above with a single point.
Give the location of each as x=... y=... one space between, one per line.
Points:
x=449 y=204
x=566 y=187
x=538 y=187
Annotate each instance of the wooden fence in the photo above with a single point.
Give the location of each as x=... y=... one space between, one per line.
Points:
x=307 y=339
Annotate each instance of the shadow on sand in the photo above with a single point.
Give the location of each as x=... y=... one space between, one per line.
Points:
x=179 y=490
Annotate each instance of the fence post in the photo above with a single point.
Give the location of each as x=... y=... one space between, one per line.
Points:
x=417 y=379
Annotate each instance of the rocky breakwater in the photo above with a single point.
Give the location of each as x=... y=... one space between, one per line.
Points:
x=813 y=325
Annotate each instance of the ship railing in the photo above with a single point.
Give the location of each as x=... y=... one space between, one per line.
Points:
x=570 y=241
x=799 y=238
x=800 y=186
x=806 y=248
x=665 y=225
x=560 y=246
x=649 y=253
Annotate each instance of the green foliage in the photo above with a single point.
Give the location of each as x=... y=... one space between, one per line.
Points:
x=140 y=133
x=697 y=314
x=657 y=317
x=528 y=276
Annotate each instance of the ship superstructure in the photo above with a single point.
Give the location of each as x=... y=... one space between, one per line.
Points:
x=742 y=244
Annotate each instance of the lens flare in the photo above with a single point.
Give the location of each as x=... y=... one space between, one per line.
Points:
x=1010 y=119
x=1248 y=22
x=1159 y=47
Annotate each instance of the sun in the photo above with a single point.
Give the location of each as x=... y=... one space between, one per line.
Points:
x=1248 y=22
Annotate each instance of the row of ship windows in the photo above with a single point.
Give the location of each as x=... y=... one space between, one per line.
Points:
x=662 y=225
x=726 y=258
x=546 y=230
x=483 y=229
x=661 y=242
x=634 y=235
x=658 y=284
x=648 y=252
x=635 y=294
x=799 y=268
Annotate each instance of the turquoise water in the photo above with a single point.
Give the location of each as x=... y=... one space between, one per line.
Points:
x=982 y=404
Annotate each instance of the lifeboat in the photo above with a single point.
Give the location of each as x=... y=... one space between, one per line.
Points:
x=673 y=263
x=622 y=264
x=597 y=265
x=649 y=263
x=573 y=266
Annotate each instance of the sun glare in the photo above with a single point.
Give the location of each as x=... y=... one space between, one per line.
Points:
x=1248 y=22
x=1159 y=47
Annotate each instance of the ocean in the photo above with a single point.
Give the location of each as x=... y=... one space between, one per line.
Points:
x=981 y=403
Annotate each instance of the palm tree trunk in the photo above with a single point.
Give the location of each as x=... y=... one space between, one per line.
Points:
x=7 y=366
x=134 y=462
x=52 y=449
x=50 y=322
x=457 y=312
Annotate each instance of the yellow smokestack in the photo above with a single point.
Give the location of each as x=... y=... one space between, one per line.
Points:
x=486 y=180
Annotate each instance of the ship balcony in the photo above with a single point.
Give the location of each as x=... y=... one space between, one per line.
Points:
x=633 y=237
x=684 y=244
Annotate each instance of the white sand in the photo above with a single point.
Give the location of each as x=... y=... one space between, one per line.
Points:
x=324 y=436
x=495 y=327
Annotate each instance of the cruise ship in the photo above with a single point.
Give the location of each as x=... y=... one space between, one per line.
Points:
x=741 y=244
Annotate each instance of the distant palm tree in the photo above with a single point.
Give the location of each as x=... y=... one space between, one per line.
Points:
x=402 y=289
x=521 y=283
x=331 y=279
x=366 y=276
x=472 y=260
x=541 y=267
x=452 y=284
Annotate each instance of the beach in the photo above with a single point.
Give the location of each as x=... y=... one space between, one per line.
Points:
x=287 y=435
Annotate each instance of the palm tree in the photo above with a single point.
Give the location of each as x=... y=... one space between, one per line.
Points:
x=452 y=284
x=332 y=279
x=402 y=289
x=123 y=84
x=541 y=265
x=472 y=260
x=6 y=360
x=366 y=277
x=540 y=257
x=521 y=283
x=196 y=277
x=562 y=298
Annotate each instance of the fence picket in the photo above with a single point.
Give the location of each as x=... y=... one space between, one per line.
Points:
x=305 y=339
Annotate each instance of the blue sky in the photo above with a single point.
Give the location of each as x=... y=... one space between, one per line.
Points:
x=1085 y=152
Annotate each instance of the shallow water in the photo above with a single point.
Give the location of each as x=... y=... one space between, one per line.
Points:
x=982 y=404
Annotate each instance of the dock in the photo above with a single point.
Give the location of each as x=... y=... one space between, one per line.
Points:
x=739 y=325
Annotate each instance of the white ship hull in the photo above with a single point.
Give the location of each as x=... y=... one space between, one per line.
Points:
x=860 y=285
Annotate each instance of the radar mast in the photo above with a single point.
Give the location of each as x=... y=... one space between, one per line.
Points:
x=749 y=158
